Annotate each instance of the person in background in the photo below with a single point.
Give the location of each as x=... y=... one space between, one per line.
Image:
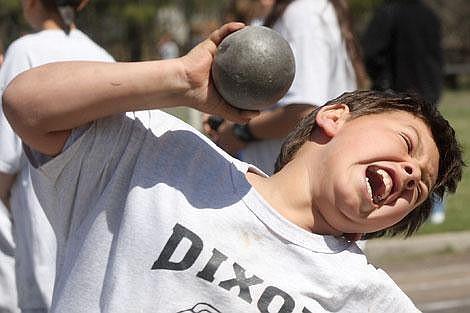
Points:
x=56 y=39
x=403 y=53
x=328 y=63
x=250 y=12
x=167 y=48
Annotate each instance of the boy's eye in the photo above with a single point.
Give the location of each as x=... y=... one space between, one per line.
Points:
x=407 y=140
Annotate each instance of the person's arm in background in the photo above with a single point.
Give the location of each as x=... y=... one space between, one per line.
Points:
x=376 y=42
x=273 y=124
x=44 y=117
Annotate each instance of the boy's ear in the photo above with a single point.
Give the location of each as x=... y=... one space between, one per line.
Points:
x=330 y=118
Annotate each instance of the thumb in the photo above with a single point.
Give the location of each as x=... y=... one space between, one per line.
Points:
x=218 y=35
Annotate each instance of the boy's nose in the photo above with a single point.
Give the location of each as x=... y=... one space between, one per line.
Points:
x=411 y=175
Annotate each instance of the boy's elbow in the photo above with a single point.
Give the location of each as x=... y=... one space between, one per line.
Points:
x=25 y=120
x=10 y=105
x=15 y=109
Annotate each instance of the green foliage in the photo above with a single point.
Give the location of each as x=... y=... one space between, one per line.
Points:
x=11 y=21
x=139 y=14
x=9 y=6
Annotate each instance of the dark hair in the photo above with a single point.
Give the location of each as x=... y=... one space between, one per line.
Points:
x=362 y=103
x=276 y=12
x=66 y=9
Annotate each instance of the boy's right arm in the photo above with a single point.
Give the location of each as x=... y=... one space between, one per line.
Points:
x=44 y=104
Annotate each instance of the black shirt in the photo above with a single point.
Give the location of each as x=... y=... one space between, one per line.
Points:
x=402 y=49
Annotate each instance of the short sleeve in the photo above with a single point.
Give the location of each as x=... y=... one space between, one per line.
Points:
x=69 y=185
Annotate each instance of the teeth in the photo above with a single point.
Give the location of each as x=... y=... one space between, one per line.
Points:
x=387 y=181
x=379 y=184
x=369 y=188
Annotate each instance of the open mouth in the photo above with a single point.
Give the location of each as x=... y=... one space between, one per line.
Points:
x=379 y=184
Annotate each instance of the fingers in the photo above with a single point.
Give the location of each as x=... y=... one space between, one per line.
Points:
x=198 y=63
x=227 y=111
x=249 y=114
x=218 y=35
x=236 y=115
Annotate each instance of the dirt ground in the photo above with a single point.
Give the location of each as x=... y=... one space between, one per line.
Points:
x=437 y=283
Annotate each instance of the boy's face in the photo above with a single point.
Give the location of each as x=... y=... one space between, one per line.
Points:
x=375 y=169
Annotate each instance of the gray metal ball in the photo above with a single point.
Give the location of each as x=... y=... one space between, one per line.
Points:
x=253 y=68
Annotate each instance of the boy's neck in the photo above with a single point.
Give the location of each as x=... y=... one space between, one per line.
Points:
x=292 y=198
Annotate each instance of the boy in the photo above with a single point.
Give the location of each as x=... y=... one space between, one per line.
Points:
x=151 y=216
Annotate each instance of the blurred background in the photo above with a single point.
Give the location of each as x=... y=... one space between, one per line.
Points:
x=131 y=29
x=434 y=269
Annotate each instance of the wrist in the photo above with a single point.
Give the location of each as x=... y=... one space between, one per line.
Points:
x=184 y=87
x=162 y=84
x=243 y=133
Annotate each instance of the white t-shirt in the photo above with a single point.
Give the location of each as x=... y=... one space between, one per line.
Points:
x=8 y=294
x=35 y=241
x=323 y=69
x=152 y=217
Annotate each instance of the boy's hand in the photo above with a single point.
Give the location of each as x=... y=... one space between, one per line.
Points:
x=202 y=94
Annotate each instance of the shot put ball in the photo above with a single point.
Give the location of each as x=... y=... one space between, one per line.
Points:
x=253 y=68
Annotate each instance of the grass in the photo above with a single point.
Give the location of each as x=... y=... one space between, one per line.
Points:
x=455 y=106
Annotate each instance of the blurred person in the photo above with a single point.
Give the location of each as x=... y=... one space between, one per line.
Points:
x=250 y=12
x=328 y=63
x=402 y=49
x=167 y=48
x=403 y=52
x=56 y=39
